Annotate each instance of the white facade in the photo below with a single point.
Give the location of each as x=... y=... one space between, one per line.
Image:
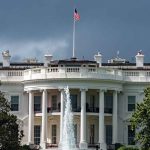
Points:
x=103 y=98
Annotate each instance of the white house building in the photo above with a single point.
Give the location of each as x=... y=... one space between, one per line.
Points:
x=103 y=96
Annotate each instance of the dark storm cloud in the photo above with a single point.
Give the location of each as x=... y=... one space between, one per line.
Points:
x=32 y=18
x=33 y=27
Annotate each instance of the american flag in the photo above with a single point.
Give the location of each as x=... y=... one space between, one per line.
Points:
x=76 y=15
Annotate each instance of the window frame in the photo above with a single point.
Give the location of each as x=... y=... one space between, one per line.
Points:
x=92 y=133
x=109 y=133
x=18 y=104
x=92 y=101
x=74 y=101
x=38 y=138
x=108 y=102
x=128 y=108
x=54 y=137
x=54 y=104
x=38 y=110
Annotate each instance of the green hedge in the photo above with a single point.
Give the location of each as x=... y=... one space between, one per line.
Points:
x=127 y=148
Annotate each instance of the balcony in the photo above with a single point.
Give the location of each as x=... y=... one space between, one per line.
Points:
x=72 y=72
x=92 y=109
x=77 y=109
x=75 y=72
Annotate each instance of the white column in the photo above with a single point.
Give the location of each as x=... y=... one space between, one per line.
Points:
x=61 y=114
x=114 y=119
x=31 y=119
x=83 y=142
x=44 y=119
x=101 y=121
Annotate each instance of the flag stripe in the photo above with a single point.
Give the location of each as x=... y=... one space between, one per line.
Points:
x=76 y=15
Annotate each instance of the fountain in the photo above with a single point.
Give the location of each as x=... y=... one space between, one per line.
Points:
x=68 y=140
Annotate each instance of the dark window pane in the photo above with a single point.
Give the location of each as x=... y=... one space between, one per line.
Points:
x=14 y=103
x=54 y=102
x=109 y=134
x=131 y=103
x=54 y=133
x=92 y=133
x=73 y=98
x=37 y=129
x=75 y=133
x=92 y=101
x=131 y=107
x=108 y=101
x=131 y=135
x=37 y=103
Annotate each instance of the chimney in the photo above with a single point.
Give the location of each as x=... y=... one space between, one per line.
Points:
x=98 y=59
x=47 y=60
x=139 y=59
x=6 y=58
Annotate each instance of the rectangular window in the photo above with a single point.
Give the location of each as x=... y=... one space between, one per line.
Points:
x=131 y=135
x=54 y=133
x=109 y=134
x=54 y=102
x=92 y=101
x=75 y=133
x=73 y=98
x=37 y=103
x=108 y=103
x=131 y=103
x=14 y=103
x=91 y=106
x=92 y=133
x=37 y=129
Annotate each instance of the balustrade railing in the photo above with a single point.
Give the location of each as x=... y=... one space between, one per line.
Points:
x=136 y=76
x=92 y=109
x=72 y=69
x=15 y=73
x=75 y=72
x=108 y=110
x=53 y=109
x=37 y=70
x=52 y=70
x=11 y=75
x=131 y=73
x=77 y=109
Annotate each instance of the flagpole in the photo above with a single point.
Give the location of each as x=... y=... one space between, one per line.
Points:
x=74 y=26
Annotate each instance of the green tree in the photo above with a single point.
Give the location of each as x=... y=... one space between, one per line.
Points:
x=10 y=135
x=140 y=120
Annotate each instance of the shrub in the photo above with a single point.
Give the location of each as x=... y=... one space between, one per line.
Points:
x=24 y=147
x=127 y=148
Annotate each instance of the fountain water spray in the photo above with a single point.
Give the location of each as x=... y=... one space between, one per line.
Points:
x=68 y=140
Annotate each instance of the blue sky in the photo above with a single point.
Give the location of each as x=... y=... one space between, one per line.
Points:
x=32 y=28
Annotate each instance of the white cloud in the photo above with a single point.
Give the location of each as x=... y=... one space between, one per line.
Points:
x=22 y=49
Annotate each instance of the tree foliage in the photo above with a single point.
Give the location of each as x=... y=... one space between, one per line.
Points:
x=141 y=121
x=10 y=135
x=128 y=148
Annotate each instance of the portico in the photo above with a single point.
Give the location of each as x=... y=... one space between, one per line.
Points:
x=83 y=136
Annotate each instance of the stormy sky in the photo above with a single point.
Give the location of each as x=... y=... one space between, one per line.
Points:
x=32 y=28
